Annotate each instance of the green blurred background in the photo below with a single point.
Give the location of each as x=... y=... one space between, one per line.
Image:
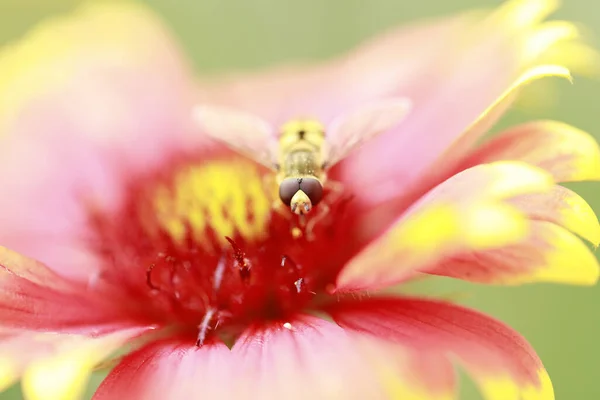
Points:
x=562 y=323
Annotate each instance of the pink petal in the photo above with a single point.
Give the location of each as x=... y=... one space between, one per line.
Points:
x=469 y=212
x=385 y=179
x=306 y=359
x=33 y=297
x=500 y=54
x=172 y=369
x=499 y=359
x=329 y=89
x=449 y=163
x=87 y=107
x=566 y=152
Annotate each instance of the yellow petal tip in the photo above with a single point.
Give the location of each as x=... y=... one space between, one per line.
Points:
x=8 y=374
x=569 y=261
x=507 y=388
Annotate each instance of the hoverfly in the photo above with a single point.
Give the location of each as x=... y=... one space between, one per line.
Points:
x=304 y=149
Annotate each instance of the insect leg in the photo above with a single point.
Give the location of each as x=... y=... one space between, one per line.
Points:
x=322 y=212
x=336 y=190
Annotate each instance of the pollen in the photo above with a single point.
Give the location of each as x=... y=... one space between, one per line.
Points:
x=296 y=232
x=221 y=198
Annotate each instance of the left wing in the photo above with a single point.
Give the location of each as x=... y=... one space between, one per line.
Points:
x=243 y=132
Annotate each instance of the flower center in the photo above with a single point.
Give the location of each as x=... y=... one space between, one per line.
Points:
x=205 y=247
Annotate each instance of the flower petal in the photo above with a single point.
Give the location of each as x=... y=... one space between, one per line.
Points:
x=34 y=297
x=486 y=120
x=568 y=153
x=498 y=38
x=385 y=186
x=60 y=156
x=502 y=363
x=55 y=366
x=306 y=359
x=548 y=254
x=466 y=213
x=374 y=70
x=321 y=356
x=562 y=207
x=172 y=369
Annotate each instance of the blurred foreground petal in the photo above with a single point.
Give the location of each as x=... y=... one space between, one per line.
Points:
x=55 y=366
x=83 y=106
x=306 y=359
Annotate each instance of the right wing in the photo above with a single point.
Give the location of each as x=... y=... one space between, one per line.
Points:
x=243 y=132
x=349 y=131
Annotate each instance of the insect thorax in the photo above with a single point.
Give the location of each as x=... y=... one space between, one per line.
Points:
x=301 y=162
x=300 y=145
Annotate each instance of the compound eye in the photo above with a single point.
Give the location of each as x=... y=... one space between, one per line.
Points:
x=287 y=190
x=313 y=189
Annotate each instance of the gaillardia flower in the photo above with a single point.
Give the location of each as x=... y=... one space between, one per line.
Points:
x=125 y=226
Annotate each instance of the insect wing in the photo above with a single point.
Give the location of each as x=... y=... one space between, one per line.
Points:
x=348 y=132
x=243 y=132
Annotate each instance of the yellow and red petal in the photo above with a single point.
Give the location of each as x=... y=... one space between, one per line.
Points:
x=568 y=153
x=84 y=106
x=55 y=366
x=548 y=254
x=467 y=213
x=304 y=359
x=501 y=361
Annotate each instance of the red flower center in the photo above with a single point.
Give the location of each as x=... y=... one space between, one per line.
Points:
x=199 y=246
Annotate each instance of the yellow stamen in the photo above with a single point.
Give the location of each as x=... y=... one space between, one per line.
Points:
x=227 y=197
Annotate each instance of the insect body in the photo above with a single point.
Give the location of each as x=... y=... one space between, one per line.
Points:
x=301 y=165
x=304 y=148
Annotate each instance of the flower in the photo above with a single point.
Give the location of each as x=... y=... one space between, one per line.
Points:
x=124 y=224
